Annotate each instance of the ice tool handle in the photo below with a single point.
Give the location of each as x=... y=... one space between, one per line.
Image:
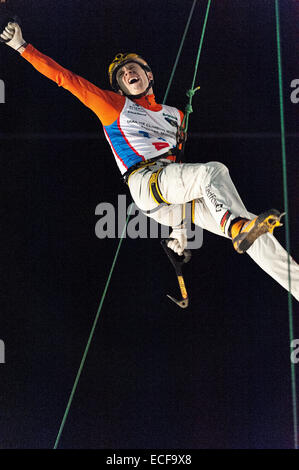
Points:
x=178 y=263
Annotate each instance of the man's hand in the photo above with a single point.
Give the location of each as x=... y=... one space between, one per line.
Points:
x=179 y=242
x=12 y=36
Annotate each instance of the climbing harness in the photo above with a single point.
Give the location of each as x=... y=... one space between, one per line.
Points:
x=155 y=188
x=151 y=161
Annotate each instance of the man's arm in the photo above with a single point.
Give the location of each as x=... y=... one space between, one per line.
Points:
x=22 y=48
x=105 y=104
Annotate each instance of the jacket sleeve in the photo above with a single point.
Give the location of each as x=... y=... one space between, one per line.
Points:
x=107 y=105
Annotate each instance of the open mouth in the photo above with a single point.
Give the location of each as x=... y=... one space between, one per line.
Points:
x=133 y=80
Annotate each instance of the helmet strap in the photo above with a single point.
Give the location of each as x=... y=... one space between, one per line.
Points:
x=151 y=82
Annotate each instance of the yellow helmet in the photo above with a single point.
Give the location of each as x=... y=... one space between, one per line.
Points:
x=120 y=60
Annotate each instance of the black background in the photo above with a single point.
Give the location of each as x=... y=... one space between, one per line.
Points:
x=214 y=376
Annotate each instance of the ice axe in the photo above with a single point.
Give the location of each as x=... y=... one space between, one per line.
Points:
x=178 y=262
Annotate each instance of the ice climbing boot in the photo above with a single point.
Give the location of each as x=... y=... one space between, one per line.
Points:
x=244 y=232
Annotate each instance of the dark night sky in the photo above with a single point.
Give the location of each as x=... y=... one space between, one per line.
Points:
x=216 y=375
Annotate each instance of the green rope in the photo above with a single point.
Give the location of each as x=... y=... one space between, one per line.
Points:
x=191 y=92
x=285 y=194
x=109 y=276
x=179 y=52
x=91 y=335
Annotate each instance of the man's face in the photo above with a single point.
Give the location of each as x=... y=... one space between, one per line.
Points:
x=132 y=79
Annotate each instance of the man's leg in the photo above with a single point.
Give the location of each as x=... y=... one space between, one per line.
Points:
x=180 y=183
x=266 y=251
x=210 y=184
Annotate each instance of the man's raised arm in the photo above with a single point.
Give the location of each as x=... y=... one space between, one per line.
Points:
x=105 y=104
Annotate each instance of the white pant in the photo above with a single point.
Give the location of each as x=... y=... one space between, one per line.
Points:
x=210 y=185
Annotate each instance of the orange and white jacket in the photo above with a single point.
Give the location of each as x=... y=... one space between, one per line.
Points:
x=137 y=130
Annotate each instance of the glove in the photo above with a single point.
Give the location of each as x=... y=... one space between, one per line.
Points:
x=179 y=234
x=12 y=36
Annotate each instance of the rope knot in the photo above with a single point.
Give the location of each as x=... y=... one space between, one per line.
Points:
x=190 y=93
x=189 y=108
